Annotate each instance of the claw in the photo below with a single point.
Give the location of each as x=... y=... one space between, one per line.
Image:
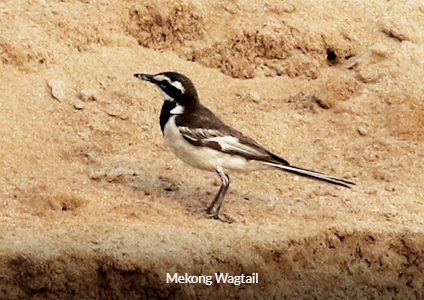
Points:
x=209 y=215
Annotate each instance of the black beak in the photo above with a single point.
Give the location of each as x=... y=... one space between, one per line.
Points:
x=146 y=77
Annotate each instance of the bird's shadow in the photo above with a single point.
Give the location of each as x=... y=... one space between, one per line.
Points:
x=147 y=183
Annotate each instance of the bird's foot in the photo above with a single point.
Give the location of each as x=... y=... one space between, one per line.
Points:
x=215 y=216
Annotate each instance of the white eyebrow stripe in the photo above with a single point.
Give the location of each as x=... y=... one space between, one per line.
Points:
x=176 y=84
x=162 y=78
x=179 y=86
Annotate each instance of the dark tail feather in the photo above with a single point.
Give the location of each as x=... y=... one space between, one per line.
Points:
x=284 y=165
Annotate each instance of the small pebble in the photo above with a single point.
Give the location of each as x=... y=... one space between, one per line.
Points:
x=362 y=131
x=379 y=49
x=57 y=89
x=254 y=96
x=77 y=103
x=115 y=110
x=87 y=95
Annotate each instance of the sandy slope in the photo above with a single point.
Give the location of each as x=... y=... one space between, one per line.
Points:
x=93 y=204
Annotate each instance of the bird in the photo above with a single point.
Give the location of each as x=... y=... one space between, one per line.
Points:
x=200 y=139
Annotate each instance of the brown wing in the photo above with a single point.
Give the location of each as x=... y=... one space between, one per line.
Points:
x=209 y=131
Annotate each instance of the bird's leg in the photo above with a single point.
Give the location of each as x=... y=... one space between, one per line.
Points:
x=215 y=200
x=219 y=198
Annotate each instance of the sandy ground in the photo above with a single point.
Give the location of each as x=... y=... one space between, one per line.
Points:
x=94 y=206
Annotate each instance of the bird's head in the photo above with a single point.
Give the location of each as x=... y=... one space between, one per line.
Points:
x=175 y=87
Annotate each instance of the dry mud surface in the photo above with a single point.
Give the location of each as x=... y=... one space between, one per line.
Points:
x=94 y=206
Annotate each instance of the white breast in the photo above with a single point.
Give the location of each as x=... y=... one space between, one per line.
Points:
x=205 y=158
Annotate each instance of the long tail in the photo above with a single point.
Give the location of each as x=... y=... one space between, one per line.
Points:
x=284 y=165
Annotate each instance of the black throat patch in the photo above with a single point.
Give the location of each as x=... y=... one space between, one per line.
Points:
x=165 y=114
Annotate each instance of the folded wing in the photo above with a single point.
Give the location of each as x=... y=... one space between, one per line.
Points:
x=219 y=140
